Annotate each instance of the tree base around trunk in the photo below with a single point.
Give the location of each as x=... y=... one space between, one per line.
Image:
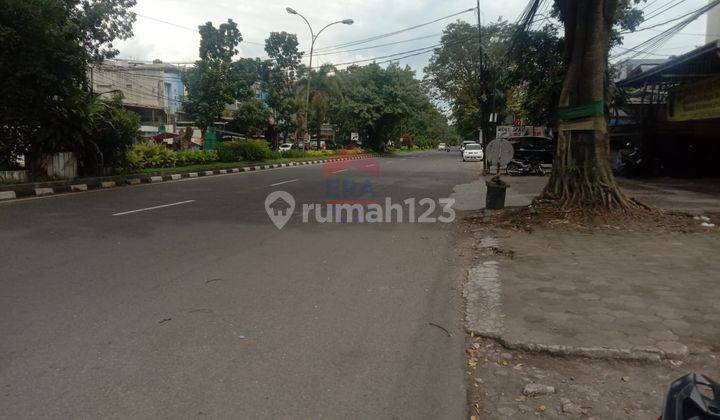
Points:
x=546 y=214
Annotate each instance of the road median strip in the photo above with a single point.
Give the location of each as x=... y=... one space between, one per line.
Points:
x=13 y=192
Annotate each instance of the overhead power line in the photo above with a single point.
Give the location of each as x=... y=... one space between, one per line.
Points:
x=405 y=54
x=430 y=48
x=657 y=13
x=377 y=46
x=187 y=28
x=654 y=43
x=644 y=52
x=701 y=10
x=389 y=34
x=647 y=5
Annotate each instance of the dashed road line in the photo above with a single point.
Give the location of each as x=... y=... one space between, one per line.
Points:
x=153 y=208
x=284 y=182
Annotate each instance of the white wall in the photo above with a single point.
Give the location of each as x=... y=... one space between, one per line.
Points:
x=712 y=33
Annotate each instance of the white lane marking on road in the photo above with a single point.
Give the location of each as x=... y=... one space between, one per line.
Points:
x=340 y=170
x=153 y=208
x=370 y=165
x=284 y=182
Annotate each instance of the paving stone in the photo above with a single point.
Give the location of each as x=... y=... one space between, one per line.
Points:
x=676 y=324
x=673 y=348
x=620 y=291
x=533 y=390
x=664 y=335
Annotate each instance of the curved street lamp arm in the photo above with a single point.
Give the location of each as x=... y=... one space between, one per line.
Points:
x=327 y=26
x=312 y=34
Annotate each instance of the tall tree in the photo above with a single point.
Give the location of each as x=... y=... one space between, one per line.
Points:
x=454 y=72
x=46 y=48
x=211 y=83
x=376 y=101
x=534 y=76
x=581 y=173
x=283 y=66
x=324 y=87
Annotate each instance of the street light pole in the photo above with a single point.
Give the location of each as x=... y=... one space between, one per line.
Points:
x=313 y=37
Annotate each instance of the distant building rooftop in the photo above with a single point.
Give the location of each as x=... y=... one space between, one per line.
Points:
x=697 y=64
x=631 y=66
x=139 y=65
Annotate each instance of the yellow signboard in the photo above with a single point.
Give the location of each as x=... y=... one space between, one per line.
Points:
x=695 y=101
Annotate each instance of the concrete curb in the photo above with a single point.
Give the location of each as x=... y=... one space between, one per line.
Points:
x=646 y=354
x=43 y=191
x=9 y=193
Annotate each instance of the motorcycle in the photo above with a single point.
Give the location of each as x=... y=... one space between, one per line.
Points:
x=688 y=398
x=517 y=167
x=631 y=162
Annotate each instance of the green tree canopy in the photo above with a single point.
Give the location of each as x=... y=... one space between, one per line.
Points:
x=527 y=87
x=378 y=102
x=251 y=118
x=283 y=67
x=45 y=50
x=211 y=84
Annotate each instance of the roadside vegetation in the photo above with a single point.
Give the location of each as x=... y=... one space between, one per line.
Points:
x=147 y=157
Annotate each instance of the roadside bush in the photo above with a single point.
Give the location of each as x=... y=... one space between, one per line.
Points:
x=195 y=157
x=294 y=154
x=320 y=153
x=426 y=143
x=353 y=151
x=149 y=155
x=157 y=155
x=249 y=150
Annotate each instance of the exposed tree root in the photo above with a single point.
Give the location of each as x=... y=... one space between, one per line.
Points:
x=547 y=214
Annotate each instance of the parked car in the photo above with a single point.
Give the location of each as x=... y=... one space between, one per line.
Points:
x=285 y=147
x=473 y=151
x=534 y=149
x=464 y=145
x=442 y=147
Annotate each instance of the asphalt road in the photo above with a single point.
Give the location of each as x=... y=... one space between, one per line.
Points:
x=204 y=309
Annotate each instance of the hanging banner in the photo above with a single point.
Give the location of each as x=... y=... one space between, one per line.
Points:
x=507 y=131
x=695 y=101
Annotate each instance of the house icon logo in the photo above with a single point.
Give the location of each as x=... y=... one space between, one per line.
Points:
x=279 y=206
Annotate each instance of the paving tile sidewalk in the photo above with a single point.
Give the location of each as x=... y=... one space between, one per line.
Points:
x=626 y=295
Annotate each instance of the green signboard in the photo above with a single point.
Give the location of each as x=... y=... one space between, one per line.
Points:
x=695 y=101
x=210 y=140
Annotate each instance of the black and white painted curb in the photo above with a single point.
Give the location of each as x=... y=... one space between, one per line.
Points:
x=11 y=194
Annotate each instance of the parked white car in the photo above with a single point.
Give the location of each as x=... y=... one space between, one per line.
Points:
x=472 y=152
x=464 y=145
x=442 y=147
x=285 y=147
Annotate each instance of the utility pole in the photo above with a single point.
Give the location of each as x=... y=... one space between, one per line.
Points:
x=479 y=38
x=481 y=82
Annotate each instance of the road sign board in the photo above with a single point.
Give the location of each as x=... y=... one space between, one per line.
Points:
x=499 y=151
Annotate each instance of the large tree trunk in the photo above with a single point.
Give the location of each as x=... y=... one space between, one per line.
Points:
x=581 y=175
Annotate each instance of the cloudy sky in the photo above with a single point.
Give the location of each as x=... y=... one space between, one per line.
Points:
x=177 y=40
